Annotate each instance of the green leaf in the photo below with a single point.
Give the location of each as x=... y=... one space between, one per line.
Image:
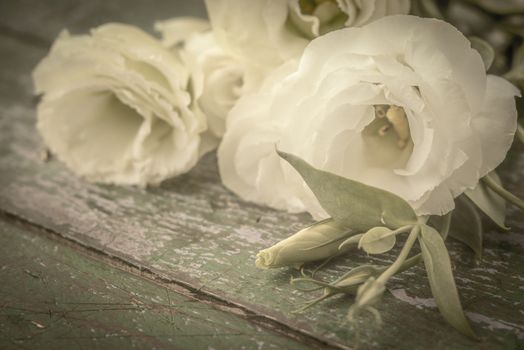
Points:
x=352 y=203
x=467 y=225
x=486 y=51
x=378 y=240
x=490 y=203
x=501 y=191
x=349 y=241
x=440 y=275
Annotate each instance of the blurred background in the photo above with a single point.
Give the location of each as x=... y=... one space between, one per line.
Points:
x=498 y=22
x=26 y=16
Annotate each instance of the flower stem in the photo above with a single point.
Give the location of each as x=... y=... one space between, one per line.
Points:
x=409 y=263
x=501 y=191
x=399 y=231
x=386 y=275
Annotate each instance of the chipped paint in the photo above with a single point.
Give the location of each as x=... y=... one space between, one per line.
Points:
x=401 y=294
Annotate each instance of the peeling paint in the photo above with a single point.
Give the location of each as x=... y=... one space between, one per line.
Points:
x=420 y=303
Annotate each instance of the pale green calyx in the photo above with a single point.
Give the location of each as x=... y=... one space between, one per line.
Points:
x=316 y=242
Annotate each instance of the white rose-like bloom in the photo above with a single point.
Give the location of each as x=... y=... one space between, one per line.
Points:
x=266 y=33
x=217 y=78
x=116 y=109
x=402 y=104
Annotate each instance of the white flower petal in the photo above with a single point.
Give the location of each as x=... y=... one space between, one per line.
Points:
x=264 y=34
x=217 y=78
x=323 y=110
x=496 y=123
x=115 y=108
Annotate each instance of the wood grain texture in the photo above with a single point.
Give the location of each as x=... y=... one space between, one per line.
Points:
x=54 y=298
x=192 y=231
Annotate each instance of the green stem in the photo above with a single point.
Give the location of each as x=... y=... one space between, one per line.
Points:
x=320 y=284
x=398 y=231
x=409 y=263
x=312 y=303
x=324 y=263
x=386 y=275
x=501 y=191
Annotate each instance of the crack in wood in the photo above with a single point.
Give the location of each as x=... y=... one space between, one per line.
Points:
x=171 y=284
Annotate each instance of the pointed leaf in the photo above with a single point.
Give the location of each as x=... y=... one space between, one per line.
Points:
x=378 y=240
x=491 y=204
x=352 y=203
x=350 y=241
x=486 y=51
x=440 y=275
x=467 y=225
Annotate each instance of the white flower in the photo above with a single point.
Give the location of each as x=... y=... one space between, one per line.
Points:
x=116 y=109
x=402 y=104
x=266 y=33
x=216 y=77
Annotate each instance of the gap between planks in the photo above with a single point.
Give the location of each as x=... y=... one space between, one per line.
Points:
x=176 y=286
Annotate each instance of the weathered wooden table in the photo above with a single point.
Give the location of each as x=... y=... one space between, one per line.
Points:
x=90 y=266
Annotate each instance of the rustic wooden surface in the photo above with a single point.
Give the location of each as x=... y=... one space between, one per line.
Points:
x=60 y=299
x=193 y=233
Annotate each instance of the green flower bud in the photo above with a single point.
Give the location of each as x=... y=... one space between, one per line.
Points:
x=316 y=242
x=368 y=295
x=349 y=283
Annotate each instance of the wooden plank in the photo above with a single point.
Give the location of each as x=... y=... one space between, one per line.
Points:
x=54 y=298
x=193 y=231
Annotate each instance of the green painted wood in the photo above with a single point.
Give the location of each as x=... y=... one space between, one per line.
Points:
x=192 y=231
x=54 y=298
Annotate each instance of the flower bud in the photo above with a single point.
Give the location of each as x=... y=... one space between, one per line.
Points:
x=316 y=242
x=368 y=295
x=349 y=283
